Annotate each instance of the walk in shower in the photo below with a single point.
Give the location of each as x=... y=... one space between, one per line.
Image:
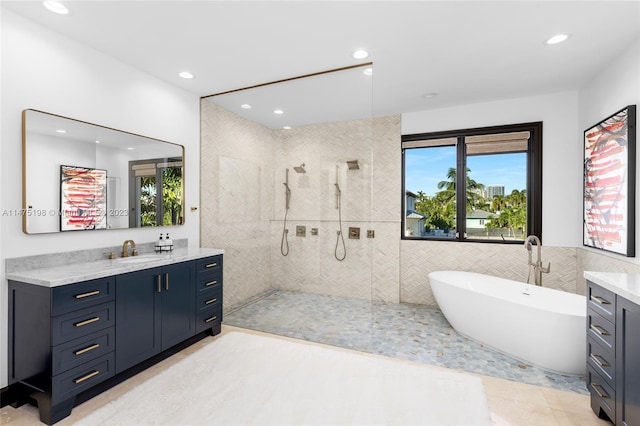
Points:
x=287 y=190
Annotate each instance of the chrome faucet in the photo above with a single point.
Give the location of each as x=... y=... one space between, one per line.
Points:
x=125 y=250
x=538 y=269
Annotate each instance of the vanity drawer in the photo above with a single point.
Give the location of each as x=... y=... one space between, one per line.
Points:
x=209 y=280
x=76 y=352
x=601 y=360
x=602 y=301
x=83 y=377
x=71 y=297
x=209 y=264
x=82 y=323
x=601 y=330
x=602 y=395
x=206 y=318
x=209 y=299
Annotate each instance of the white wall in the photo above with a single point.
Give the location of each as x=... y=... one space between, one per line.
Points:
x=615 y=87
x=46 y=71
x=561 y=152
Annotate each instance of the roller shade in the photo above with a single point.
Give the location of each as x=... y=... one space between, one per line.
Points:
x=430 y=143
x=497 y=143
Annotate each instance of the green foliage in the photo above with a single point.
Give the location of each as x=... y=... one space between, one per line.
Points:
x=148 y=201
x=510 y=211
x=172 y=195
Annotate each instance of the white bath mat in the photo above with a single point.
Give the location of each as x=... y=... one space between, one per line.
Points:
x=244 y=379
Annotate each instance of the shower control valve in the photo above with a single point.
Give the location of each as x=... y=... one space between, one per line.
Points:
x=354 y=233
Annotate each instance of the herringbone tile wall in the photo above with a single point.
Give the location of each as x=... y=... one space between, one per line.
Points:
x=371 y=267
x=418 y=258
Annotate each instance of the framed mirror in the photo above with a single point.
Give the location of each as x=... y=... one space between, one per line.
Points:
x=79 y=176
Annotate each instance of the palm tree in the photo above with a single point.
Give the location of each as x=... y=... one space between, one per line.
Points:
x=473 y=188
x=498 y=203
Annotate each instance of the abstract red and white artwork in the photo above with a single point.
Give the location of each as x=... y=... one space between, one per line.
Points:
x=83 y=198
x=609 y=183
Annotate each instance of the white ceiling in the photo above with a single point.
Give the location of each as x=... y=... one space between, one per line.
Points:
x=466 y=51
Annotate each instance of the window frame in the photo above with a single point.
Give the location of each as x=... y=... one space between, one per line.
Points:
x=534 y=178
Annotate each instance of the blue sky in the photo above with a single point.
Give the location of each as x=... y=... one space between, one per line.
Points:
x=424 y=168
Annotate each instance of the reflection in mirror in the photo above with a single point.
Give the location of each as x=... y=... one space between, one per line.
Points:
x=82 y=176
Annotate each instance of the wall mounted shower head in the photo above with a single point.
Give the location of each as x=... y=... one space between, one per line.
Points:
x=300 y=168
x=353 y=165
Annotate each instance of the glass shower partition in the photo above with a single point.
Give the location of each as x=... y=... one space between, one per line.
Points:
x=287 y=190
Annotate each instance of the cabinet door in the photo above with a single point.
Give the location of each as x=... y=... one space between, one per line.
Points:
x=627 y=363
x=178 y=303
x=138 y=310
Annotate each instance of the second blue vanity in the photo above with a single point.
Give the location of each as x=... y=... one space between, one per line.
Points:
x=78 y=329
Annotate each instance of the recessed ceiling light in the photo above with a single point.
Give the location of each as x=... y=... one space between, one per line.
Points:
x=97 y=141
x=429 y=95
x=278 y=111
x=130 y=149
x=186 y=74
x=360 y=54
x=368 y=71
x=61 y=131
x=245 y=106
x=56 y=7
x=287 y=127
x=558 y=38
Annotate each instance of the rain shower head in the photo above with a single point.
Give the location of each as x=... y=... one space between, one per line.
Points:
x=353 y=165
x=300 y=168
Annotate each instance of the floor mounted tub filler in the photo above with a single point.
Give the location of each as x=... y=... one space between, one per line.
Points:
x=541 y=326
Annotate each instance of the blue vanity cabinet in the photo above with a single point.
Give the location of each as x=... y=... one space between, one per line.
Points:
x=68 y=343
x=627 y=363
x=61 y=342
x=155 y=309
x=613 y=356
x=209 y=294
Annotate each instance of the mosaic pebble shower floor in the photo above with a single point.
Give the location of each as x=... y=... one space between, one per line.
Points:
x=411 y=332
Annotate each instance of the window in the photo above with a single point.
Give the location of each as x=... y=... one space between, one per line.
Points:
x=155 y=192
x=480 y=184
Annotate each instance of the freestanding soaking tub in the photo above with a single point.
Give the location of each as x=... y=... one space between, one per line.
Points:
x=538 y=325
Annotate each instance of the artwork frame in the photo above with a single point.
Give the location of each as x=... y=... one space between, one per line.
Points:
x=83 y=198
x=609 y=177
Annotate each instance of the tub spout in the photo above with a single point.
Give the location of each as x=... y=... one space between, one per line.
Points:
x=538 y=269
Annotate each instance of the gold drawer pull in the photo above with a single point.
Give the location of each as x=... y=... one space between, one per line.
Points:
x=601 y=331
x=596 y=387
x=87 y=349
x=86 y=322
x=599 y=360
x=159 y=284
x=600 y=300
x=210 y=283
x=213 y=318
x=87 y=377
x=210 y=301
x=89 y=294
x=212 y=265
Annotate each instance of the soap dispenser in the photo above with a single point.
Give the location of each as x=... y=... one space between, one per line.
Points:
x=168 y=242
x=159 y=244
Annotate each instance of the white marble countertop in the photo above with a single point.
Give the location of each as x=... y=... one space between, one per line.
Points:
x=77 y=272
x=623 y=284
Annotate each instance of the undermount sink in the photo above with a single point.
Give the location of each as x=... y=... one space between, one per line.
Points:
x=140 y=259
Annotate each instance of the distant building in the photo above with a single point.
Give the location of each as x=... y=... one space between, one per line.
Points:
x=414 y=220
x=493 y=190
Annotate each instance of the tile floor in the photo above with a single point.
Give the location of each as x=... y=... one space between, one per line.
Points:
x=409 y=332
